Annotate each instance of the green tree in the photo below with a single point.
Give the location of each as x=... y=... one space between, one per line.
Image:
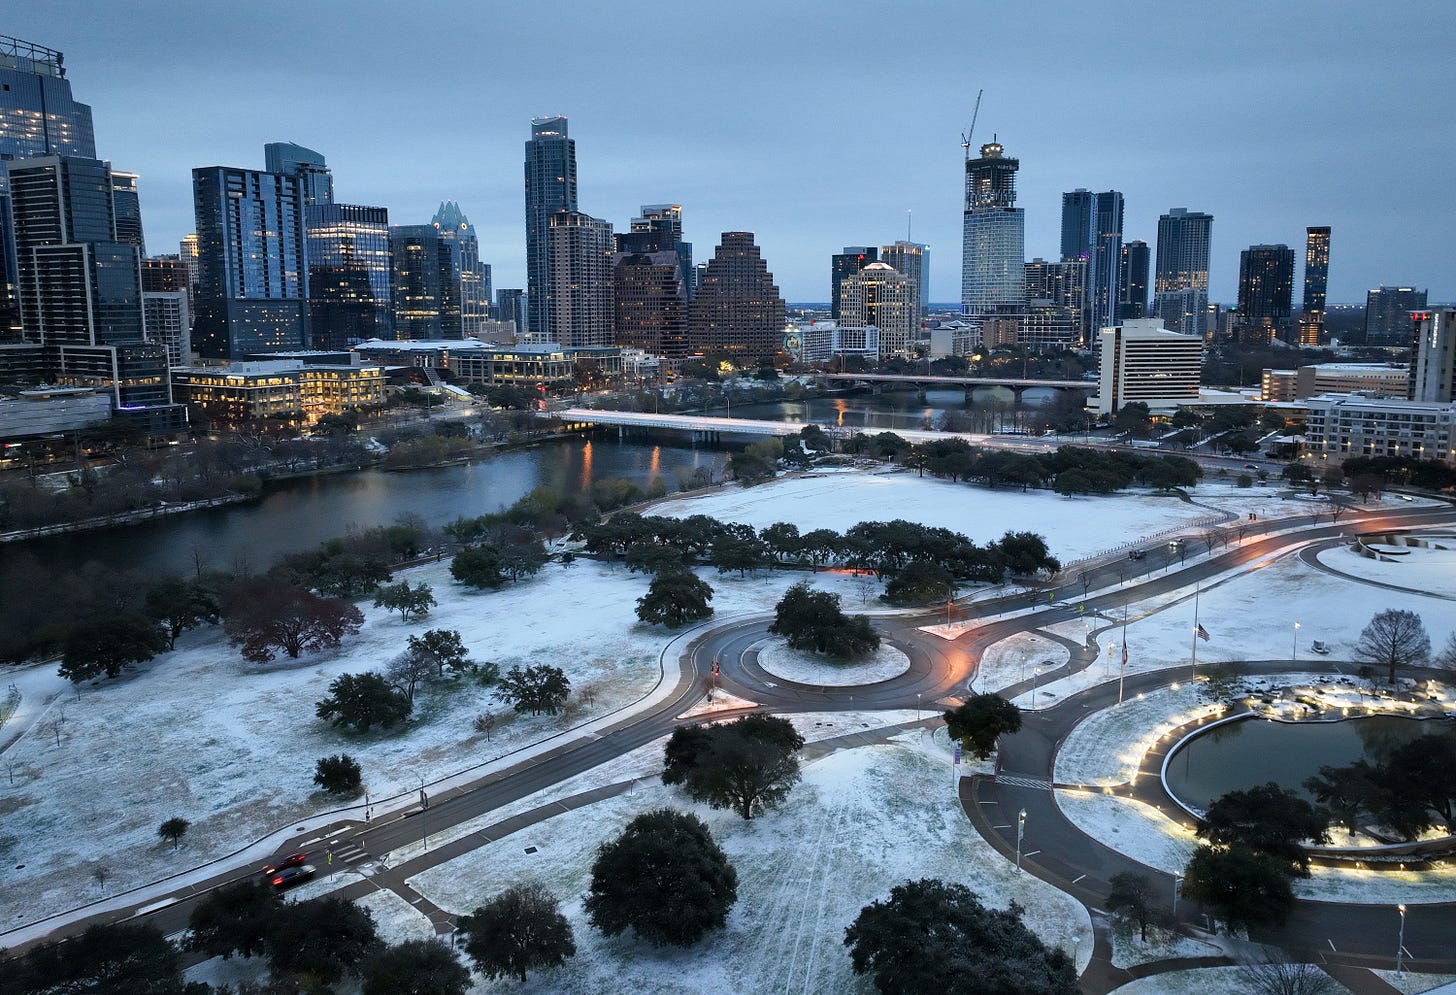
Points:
x=107 y=644
x=931 y=936
x=1268 y=819
x=1131 y=897
x=411 y=601
x=173 y=830
x=338 y=775
x=1394 y=638
x=664 y=877
x=321 y=940
x=920 y=582
x=747 y=765
x=737 y=548
x=116 y=959
x=1240 y=886
x=535 y=689
x=478 y=566
x=362 y=701
x=415 y=967
x=234 y=919
x=519 y=930
x=980 y=721
x=442 y=646
x=813 y=621
x=178 y=605
x=675 y=599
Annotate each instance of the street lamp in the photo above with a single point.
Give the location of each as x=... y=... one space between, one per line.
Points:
x=917 y=706
x=1400 y=943
x=1294 y=644
x=1021 y=831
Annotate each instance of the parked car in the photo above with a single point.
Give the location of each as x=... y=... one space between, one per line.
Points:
x=1318 y=646
x=1137 y=554
x=292 y=860
x=287 y=877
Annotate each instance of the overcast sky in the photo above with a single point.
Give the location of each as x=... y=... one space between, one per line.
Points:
x=815 y=124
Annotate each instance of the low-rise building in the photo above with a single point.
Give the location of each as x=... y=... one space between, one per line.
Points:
x=1339 y=426
x=286 y=391
x=1142 y=361
x=547 y=367
x=821 y=341
x=51 y=411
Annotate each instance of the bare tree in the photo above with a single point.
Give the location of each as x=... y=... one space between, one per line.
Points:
x=99 y=874
x=1276 y=974
x=1085 y=579
x=485 y=722
x=408 y=670
x=1447 y=657
x=1394 y=638
x=11 y=766
x=56 y=724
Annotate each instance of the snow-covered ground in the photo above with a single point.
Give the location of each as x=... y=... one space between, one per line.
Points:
x=778 y=659
x=1417 y=568
x=860 y=822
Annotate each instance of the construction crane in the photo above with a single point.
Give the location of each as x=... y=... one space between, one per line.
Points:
x=966 y=135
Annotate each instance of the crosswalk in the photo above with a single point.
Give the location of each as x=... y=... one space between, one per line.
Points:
x=344 y=855
x=1017 y=781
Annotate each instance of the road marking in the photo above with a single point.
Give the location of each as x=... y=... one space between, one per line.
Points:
x=1007 y=826
x=1023 y=782
x=1033 y=853
x=1078 y=878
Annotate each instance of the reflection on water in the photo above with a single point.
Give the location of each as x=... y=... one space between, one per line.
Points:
x=1240 y=755
x=297 y=514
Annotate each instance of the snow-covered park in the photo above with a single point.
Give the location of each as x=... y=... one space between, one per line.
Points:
x=231 y=746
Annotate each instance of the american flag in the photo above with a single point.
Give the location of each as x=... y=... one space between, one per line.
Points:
x=1202 y=632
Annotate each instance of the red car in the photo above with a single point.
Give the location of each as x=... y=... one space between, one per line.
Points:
x=292 y=860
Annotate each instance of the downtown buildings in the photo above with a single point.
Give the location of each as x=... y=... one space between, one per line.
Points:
x=1180 y=282
x=993 y=281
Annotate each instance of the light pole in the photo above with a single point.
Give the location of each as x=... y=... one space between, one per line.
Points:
x=1400 y=943
x=1035 y=674
x=1021 y=831
x=917 y=706
x=1294 y=644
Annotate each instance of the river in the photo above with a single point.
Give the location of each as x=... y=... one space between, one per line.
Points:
x=297 y=514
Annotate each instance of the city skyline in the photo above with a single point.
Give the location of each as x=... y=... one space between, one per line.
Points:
x=734 y=164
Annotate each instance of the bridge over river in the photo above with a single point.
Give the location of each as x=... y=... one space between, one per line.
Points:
x=1017 y=385
x=706 y=428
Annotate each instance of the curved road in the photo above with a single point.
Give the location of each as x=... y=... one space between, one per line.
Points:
x=939 y=668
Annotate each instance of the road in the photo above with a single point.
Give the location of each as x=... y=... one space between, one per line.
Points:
x=939 y=669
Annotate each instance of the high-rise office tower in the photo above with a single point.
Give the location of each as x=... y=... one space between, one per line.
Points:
x=164 y=275
x=993 y=256
x=80 y=289
x=252 y=293
x=1433 y=363
x=315 y=181
x=1092 y=231
x=652 y=276
x=471 y=275
x=510 y=305
x=1388 y=314
x=659 y=229
x=349 y=275
x=550 y=188
x=737 y=308
x=425 y=291
x=1056 y=305
x=912 y=259
x=1180 y=281
x=882 y=296
x=1136 y=261
x=1266 y=294
x=38 y=117
x=1316 y=279
x=581 y=280
x=853 y=259
x=168 y=323
x=128 y=207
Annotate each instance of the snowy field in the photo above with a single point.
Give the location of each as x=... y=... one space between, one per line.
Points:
x=1431 y=570
x=839 y=501
x=775 y=657
x=860 y=822
x=231 y=746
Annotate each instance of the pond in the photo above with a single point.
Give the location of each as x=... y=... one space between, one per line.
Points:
x=1239 y=755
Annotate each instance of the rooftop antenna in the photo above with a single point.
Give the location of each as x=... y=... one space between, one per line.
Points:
x=908 y=219
x=966 y=135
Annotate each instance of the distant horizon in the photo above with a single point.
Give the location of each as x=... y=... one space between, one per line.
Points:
x=1277 y=118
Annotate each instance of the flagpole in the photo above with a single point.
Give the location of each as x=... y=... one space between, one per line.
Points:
x=1195 y=632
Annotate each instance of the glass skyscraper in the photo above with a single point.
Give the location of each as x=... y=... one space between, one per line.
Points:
x=1316 y=279
x=349 y=275
x=1266 y=294
x=1180 y=282
x=550 y=188
x=426 y=293
x=38 y=117
x=312 y=170
x=1136 y=262
x=252 y=293
x=472 y=277
x=993 y=254
x=1092 y=232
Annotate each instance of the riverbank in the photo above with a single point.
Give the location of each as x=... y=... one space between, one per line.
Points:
x=125 y=517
